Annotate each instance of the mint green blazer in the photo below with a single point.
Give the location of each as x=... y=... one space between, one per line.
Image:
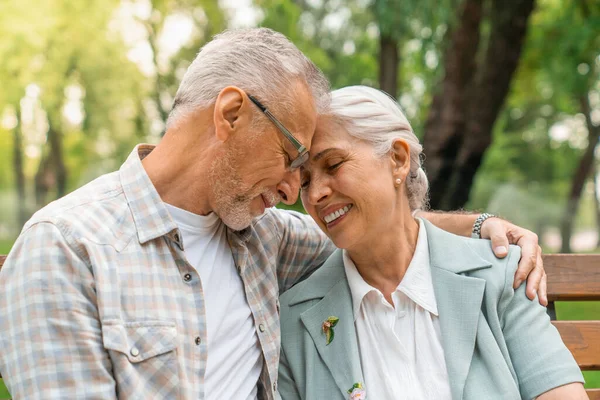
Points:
x=497 y=343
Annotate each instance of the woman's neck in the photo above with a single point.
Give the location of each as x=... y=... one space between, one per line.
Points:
x=383 y=262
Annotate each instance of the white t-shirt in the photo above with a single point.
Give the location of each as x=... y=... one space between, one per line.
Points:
x=234 y=356
x=400 y=347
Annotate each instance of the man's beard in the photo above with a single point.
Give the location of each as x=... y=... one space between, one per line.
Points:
x=233 y=199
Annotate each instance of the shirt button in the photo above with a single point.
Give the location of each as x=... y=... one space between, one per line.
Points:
x=261 y=328
x=275 y=386
x=134 y=351
x=198 y=340
x=187 y=277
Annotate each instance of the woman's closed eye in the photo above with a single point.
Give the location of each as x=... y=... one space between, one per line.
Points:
x=335 y=165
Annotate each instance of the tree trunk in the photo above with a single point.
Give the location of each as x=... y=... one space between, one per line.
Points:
x=152 y=28
x=492 y=83
x=18 y=168
x=389 y=61
x=44 y=180
x=581 y=174
x=52 y=172
x=55 y=137
x=446 y=120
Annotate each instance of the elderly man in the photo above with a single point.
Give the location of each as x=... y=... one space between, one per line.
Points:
x=161 y=280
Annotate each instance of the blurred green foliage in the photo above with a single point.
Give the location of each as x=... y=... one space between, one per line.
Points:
x=106 y=61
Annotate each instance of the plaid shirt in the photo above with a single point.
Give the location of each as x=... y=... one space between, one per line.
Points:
x=96 y=299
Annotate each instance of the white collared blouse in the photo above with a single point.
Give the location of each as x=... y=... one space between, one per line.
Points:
x=401 y=345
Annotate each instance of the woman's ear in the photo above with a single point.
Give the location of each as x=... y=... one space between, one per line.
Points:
x=400 y=158
x=232 y=112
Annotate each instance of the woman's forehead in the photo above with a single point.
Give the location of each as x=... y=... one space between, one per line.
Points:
x=329 y=130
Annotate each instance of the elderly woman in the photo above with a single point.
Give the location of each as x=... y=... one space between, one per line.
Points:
x=405 y=310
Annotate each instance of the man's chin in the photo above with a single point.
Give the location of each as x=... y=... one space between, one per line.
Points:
x=239 y=224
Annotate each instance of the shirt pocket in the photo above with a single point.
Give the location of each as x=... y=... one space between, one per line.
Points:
x=144 y=358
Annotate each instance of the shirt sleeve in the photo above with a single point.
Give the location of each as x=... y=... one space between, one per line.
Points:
x=303 y=247
x=540 y=358
x=51 y=337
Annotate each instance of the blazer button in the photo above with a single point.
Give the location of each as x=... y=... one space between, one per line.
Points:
x=187 y=277
x=198 y=340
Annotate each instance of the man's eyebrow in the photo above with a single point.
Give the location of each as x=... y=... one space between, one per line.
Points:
x=323 y=153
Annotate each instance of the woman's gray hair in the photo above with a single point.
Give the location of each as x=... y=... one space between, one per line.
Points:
x=373 y=116
x=260 y=61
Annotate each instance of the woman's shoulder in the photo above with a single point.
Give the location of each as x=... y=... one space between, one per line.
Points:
x=502 y=269
x=474 y=258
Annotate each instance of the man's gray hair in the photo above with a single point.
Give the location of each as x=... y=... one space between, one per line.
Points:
x=373 y=116
x=260 y=61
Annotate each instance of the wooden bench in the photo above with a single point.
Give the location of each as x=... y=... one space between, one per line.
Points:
x=571 y=277
x=576 y=277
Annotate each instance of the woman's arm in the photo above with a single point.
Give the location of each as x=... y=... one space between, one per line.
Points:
x=541 y=361
x=571 y=391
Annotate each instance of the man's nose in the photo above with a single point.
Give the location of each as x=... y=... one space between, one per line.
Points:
x=289 y=186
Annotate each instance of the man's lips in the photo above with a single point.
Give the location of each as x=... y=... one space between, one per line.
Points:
x=267 y=202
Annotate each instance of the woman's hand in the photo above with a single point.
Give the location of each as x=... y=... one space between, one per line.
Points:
x=531 y=267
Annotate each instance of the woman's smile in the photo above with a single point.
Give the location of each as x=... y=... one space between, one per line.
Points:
x=332 y=218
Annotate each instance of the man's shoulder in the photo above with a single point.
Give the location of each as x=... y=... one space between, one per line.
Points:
x=281 y=216
x=97 y=210
x=275 y=221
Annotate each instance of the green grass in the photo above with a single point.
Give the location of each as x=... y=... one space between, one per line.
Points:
x=5 y=246
x=3 y=392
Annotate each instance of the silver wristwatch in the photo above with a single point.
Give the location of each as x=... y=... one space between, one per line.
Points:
x=476 y=233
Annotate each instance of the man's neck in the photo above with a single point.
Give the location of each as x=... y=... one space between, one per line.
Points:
x=179 y=168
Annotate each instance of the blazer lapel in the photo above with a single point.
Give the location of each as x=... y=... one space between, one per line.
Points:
x=341 y=356
x=459 y=305
x=458 y=299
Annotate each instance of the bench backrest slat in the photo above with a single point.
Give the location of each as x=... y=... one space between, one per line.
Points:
x=573 y=276
x=593 y=394
x=582 y=338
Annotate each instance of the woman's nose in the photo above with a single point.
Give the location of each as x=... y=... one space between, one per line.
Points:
x=318 y=191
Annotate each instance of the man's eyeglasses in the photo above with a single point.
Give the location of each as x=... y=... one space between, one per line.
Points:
x=302 y=151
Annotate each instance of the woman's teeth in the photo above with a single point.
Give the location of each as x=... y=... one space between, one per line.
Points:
x=336 y=214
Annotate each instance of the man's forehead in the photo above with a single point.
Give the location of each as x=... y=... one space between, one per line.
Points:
x=303 y=121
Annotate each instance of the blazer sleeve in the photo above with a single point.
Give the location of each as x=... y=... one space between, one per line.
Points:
x=286 y=385
x=540 y=358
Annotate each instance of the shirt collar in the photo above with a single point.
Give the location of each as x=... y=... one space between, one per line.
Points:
x=149 y=213
x=358 y=286
x=416 y=284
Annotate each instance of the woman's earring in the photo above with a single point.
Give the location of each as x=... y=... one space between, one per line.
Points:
x=398 y=182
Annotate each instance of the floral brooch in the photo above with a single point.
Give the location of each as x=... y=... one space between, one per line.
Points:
x=357 y=392
x=328 y=328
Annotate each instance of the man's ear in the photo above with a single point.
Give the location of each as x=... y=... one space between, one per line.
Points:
x=232 y=112
x=400 y=158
